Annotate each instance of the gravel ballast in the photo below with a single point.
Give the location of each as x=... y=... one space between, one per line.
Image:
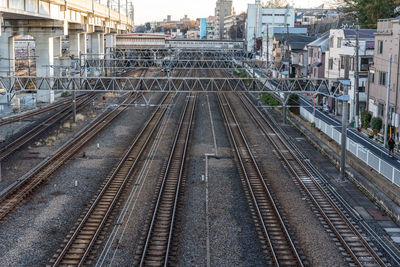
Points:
x=33 y=232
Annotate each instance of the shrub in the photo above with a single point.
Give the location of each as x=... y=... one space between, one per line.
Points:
x=294 y=101
x=365 y=119
x=65 y=94
x=376 y=124
x=269 y=100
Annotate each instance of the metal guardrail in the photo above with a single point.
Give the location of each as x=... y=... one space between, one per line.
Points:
x=364 y=154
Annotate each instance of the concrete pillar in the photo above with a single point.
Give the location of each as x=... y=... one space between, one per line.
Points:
x=7 y=53
x=97 y=43
x=57 y=47
x=110 y=40
x=44 y=50
x=57 y=53
x=74 y=44
x=83 y=45
x=7 y=62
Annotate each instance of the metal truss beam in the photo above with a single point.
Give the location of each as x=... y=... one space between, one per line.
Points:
x=165 y=84
x=129 y=64
x=161 y=53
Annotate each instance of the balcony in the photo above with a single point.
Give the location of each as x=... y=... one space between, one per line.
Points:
x=384 y=26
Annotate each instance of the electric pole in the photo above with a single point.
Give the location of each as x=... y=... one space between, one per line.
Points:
x=356 y=78
x=267 y=46
x=344 y=121
x=388 y=100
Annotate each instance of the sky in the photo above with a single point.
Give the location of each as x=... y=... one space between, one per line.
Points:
x=157 y=10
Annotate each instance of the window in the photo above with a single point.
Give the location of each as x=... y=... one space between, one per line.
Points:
x=380 y=109
x=315 y=72
x=310 y=52
x=372 y=77
x=330 y=63
x=364 y=64
x=352 y=64
x=331 y=42
x=319 y=54
x=382 y=78
x=342 y=62
x=339 y=42
x=380 y=47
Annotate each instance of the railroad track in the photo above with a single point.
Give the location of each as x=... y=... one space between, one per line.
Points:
x=12 y=196
x=282 y=250
x=82 y=238
x=11 y=147
x=158 y=236
x=66 y=102
x=359 y=251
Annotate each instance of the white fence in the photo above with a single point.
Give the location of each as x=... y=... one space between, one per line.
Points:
x=381 y=166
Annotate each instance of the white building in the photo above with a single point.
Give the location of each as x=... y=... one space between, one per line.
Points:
x=343 y=43
x=259 y=18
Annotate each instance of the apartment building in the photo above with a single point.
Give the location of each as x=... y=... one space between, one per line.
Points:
x=224 y=8
x=259 y=18
x=342 y=43
x=234 y=21
x=387 y=41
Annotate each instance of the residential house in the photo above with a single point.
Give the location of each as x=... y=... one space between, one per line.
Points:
x=291 y=46
x=268 y=40
x=386 y=42
x=342 y=43
x=316 y=56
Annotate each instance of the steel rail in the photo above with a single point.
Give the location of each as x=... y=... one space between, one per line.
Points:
x=37 y=111
x=11 y=147
x=13 y=196
x=289 y=163
x=253 y=185
x=171 y=181
x=124 y=169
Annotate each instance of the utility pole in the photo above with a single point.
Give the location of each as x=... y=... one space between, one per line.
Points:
x=267 y=46
x=287 y=47
x=356 y=78
x=29 y=60
x=388 y=100
x=344 y=121
x=285 y=95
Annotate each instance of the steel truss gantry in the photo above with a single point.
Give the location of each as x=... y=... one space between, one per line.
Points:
x=168 y=84
x=176 y=53
x=115 y=65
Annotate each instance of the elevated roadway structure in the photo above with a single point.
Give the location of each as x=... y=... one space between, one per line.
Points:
x=88 y=25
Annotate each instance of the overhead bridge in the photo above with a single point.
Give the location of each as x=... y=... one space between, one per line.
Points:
x=87 y=25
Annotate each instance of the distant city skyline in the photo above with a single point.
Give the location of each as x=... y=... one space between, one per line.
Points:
x=157 y=10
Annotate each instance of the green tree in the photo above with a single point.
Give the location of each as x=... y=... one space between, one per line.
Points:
x=369 y=11
x=365 y=119
x=376 y=124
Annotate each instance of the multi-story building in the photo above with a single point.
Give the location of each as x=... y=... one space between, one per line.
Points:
x=259 y=18
x=224 y=8
x=203 y=28
x=210 y=27
x=342 y=43
x=386 y=42
x=236 y=21
x=316 y=56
